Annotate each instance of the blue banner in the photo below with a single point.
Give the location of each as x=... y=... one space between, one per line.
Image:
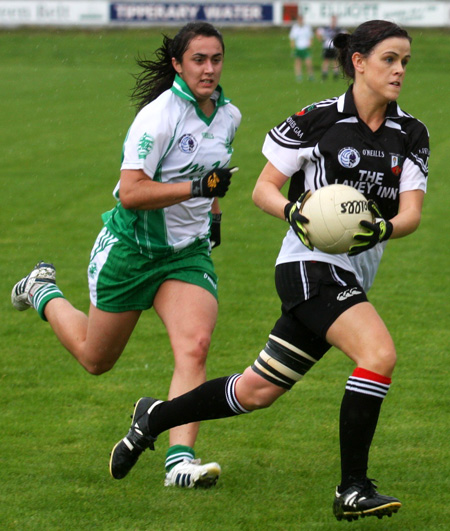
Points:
x=187 y=12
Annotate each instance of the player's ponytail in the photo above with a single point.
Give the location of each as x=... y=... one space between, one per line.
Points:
x=155 y=76
x=341 y=42
x=365 y=37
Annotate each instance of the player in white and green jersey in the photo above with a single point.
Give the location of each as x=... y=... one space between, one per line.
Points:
x=154 y=249
x=183 y=146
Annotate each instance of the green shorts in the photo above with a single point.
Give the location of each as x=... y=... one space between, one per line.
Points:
x=121 y=279
x=302 y=53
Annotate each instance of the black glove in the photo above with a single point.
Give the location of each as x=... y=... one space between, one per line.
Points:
x=215 y=184
x=292 y=213
x=215 y=230
x=379 y=231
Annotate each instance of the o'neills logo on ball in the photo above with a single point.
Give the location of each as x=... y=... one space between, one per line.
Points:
x=187 y=143
x=354 y=207
x=349 y=157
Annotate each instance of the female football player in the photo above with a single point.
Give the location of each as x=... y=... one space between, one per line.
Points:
x=154 y=248
x=365 y=140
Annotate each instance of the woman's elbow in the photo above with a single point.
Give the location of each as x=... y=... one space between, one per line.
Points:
x=414 y=220
x=257 y=195
x=127 y=200
x=254 y=196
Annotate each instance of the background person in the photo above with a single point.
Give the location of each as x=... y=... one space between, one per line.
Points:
x=365 y=138
x=154 y=248
x=300 y=37
x=326 y=34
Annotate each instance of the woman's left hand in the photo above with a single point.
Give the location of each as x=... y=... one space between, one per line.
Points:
x=378 y=231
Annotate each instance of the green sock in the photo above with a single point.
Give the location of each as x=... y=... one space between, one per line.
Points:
x=177 y=453
x=43 y=295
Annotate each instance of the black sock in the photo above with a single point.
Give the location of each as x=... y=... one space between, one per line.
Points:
x=360 y=409
x=215 y=399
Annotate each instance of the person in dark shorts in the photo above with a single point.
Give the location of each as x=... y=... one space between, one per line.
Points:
x=326 y=34
x=365 y=140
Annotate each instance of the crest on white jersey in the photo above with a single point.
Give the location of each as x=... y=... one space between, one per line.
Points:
x=188 y=143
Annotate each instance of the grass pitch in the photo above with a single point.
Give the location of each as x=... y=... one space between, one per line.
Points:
x=65 y=111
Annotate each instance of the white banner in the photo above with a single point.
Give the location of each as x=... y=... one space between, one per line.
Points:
x=351 y=14
x=317 y=13
x=52 y=13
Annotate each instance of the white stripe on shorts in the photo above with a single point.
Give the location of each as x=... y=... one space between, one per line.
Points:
x=99 y=255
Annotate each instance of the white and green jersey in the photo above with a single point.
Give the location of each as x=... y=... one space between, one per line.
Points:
x=172 y=140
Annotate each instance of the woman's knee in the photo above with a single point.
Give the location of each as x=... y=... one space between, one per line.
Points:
x=193 y=350
x=97 y=367
x=254 y=392
x=202 y=343
x=382 y=361
x=97 y=370
x=388 y=359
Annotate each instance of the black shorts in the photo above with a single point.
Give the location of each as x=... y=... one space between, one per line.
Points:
x=313 y=296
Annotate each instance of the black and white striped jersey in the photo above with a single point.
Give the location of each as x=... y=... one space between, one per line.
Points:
x=327 y=143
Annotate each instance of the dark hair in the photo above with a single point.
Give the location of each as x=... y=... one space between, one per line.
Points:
x=158 y=75
x=363 y=40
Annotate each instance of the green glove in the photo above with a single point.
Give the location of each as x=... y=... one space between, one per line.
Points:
x=292 y=213
x=378 y=231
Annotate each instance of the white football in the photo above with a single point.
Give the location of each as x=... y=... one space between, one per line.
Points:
x=334 y=214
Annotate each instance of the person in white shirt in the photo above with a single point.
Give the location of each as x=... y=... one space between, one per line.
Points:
x=300 y=38
x=154 y=248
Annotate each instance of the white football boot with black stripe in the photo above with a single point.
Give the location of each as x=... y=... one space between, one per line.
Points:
x=190 y=473
x=361 y=499
x=24 y=290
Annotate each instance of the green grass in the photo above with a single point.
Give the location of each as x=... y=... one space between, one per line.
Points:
x=65 y=110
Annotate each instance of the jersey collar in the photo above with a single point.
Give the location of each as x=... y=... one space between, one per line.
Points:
x=346 y=105
x=181 y=89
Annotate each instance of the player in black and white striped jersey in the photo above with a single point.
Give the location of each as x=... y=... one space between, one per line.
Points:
x=365 y=140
